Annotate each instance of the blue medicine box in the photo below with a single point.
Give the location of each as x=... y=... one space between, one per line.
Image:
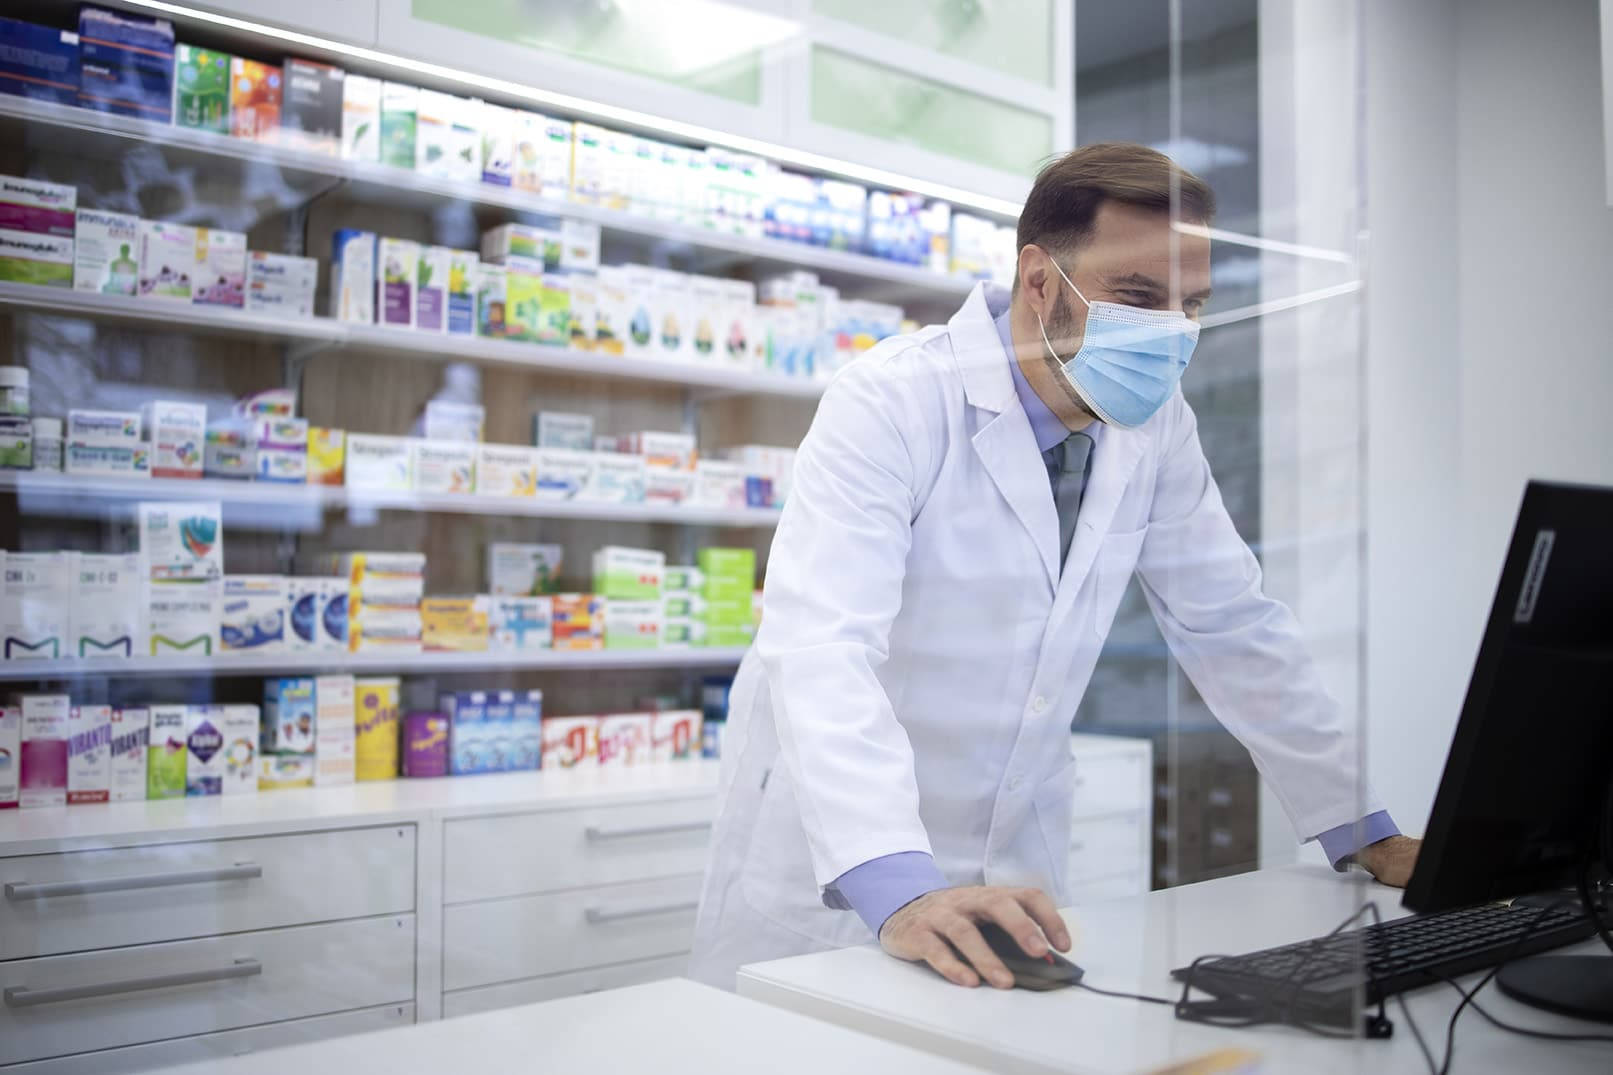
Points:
x=39 y=62
x=126 y=64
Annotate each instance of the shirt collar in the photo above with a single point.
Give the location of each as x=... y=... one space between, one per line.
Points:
x=1046 y=426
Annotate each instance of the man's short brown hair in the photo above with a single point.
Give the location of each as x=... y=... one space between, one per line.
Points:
x=1064 y=200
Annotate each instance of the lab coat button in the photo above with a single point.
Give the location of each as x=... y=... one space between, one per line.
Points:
x=1039 y=705
x=1013 y=783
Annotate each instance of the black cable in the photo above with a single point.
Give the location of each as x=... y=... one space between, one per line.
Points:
x=1126 y=996
x=1528 y=1032
x=1428 y=1054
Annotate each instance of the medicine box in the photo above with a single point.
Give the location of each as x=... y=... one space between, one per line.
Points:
x=379 y=464
x=454 y=624
x=682 y=578
x=281 y=283
x=131 y=731
x=220 y=277
x=498 y=730
x=506 y=470
x=106 y=605
x=40 y=62
x=103 y=427
x=584 y=310
x=579 y=246
x=425 y=745
x=385 y=631
x=131 y=461
x=359 y=566
x=675 y=450
x=447 y=145
x=617 y=478
x=612 y=311
x=182 y=540
x=335 y=731
x=327 y=455
x=375 y=702
x=311 y=109
x=166 y=753
x=719 y=484
x=521 y=623
x=269 y=403
x=36 y=231
x=10 y=754
x=398 y=261
x=632 y=624
x=681 y=632
x=277 y=772
x=675 y=735
x=89 y=754
x=352 y=276
x=569 y=742
x=448 y=420
x=444 y=467
x=556 y=429
x=624 y=739
x=431 y=289
x=564 y=474
x=527 y=730
x=252 y=619
x=463 y=271
x=16 y=443
x=531 y=242
x=42 y=750
x=255 y=98
x=664 y=485
x=202 y=89
x=182 y=617
x=628 y=574
x=578 y=622
x=176 y=432
x=239 y=727
x=316 y=614
x=205 y=757
x=289 y=712
x=400 y=105
x=361 y=118
x=468 y=749
x=36 y=605
x=518 y=569
x=492 y=290
x=275 y=464
x=167 y=261
x=727 y=572
x=497 y=126
x=126 y=64
x=105 y=248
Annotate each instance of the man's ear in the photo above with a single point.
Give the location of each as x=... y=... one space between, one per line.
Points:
x=1037 y=279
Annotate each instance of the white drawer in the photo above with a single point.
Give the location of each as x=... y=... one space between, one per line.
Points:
x=518 y=854
x=532 y=990
x=531 y=936
x=166 y=1054
x=1109 y=784
x=1105 y=847
x=237 y=981
x=1103 y=889
x=86 y=900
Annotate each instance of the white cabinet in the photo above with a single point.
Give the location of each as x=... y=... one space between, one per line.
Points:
x=1110 y=848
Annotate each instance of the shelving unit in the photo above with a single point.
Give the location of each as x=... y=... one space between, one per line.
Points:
x=296 y=664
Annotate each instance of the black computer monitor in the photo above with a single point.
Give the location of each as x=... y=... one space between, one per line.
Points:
x=1523 y=802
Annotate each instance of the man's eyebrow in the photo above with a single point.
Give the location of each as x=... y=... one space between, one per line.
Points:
x=1134 y=279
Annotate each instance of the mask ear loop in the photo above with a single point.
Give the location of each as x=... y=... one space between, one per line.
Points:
x=1050 y=348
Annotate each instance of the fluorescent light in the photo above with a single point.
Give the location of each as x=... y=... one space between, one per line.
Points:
x=1276 y=246
x=595 y=110
x=1261 y=309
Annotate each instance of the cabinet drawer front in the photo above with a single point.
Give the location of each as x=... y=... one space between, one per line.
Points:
x=521 y=854
x=1106 y=847
x=1109 y=784
x=531 y=990
x=85 y=900
x=531 y=936
x=166 y=1054
x=242 y=980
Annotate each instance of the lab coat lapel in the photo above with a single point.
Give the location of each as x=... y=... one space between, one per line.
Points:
x=1005 y=444
x=1112 y=468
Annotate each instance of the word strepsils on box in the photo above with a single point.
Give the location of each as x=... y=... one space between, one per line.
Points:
x=106 y=605
x=506 y=470
x=89 y=754
x=444 y=467
x=380 y=464
x=36 y=605
x=564 y=474
x=617 y=479
x=253 y=616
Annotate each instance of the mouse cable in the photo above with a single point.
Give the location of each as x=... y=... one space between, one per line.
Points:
x=1512 y=1028
x=1126 y=996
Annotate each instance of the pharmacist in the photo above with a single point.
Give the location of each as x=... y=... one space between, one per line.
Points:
x=965 y=513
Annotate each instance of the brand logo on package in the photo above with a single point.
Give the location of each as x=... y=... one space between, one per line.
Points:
x=205 y=741
x=44 y=193
x=1539 y=557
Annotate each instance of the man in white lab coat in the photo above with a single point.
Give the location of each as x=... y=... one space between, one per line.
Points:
x=965 y=514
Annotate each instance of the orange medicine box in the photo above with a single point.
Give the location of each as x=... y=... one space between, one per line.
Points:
x=579 y=621
x=255 y=92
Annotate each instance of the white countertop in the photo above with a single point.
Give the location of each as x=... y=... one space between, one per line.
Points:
x=1131 y=945
x=382 y=802
x=668 y=1028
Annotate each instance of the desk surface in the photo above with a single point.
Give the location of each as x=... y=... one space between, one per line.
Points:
x=666 y=1028
x=1131 y=945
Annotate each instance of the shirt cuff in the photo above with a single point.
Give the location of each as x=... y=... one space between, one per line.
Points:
x=1340 y=843
x=880 y=887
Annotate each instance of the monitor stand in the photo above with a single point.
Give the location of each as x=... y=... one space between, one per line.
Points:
x=1577 y=986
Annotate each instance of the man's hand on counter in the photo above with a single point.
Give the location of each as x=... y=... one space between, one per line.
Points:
x=1391 y=860
x=939 y=926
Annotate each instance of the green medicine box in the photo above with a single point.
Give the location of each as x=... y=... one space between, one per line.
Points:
x=729 y=611
x=720 y=563
x=729 y=636
x=201 y=89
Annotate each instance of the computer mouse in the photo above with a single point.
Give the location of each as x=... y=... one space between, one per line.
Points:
x=1051 y=971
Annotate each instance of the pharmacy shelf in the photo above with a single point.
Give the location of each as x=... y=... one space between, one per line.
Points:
x=73 y=495
x=311 y=334
x=299 y=664
x=303 y=175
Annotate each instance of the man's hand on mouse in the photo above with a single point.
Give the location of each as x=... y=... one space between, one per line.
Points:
x=939 y=925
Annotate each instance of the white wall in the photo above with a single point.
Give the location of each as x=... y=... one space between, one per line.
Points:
x=1490 y=338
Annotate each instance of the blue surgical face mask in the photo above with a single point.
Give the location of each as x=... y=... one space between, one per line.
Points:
x=1130 y=359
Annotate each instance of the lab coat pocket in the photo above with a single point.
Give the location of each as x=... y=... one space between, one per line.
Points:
x=1053 y=801
x=777 y=877
x=1117 y=559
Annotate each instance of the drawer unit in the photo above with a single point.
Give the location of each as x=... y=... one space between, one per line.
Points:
x=60 y=1005
x=531 y=936
x=166 y=1054
x=1105 y=847
x=85 y=900
x=1110 y=783
x=519 y=854
x=532 y=990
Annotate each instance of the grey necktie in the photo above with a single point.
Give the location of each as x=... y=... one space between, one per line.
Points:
x=1068 y=463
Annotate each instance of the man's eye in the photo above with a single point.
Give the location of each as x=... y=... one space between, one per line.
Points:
x=1137 y=298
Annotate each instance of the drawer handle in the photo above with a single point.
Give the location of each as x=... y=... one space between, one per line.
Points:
x=595 y=833
x=615 y=914
x=21 y=890
x=23 y=997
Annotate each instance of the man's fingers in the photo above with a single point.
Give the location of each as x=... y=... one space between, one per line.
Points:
x=1040 y=907
x=967 y=940
x=1007 y=913
x=946 y=963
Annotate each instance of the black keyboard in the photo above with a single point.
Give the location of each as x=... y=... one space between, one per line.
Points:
x=1319 y=980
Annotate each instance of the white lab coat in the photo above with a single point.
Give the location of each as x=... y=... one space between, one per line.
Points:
x=921 y=655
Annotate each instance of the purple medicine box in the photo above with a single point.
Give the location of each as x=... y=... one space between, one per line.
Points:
x=425 y=744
